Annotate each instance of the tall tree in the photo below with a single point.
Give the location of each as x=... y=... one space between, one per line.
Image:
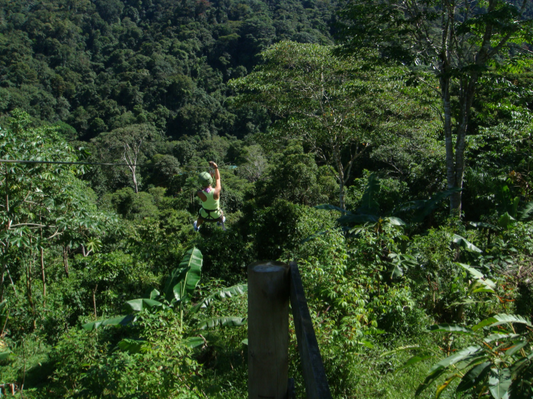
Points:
x=458 y=40
x=127 y=145
x=333 y=105
x=44 y=207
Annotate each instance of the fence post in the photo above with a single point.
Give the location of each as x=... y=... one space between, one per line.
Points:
x=268 y=330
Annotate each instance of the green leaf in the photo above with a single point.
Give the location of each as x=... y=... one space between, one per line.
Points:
x=445 y=327
x=414 y=360
x=119 y=320
x=396 y=272
x=424 y=208
x=527 y=211
x=4 y=355
x=505 y=220
x=445 y=385
x=499 y=383
x=474 y=376
x=193 y=342
x=137 y=305
x=441 y=367
x=394 y=221
x=464 y=243
x=229 y=321
x=499 y=337
x=366 y=343
x=131 y=345
x=521 y=367
x=185 y=278
x=501 y=319
x=227 y=292
x=474 y=272
x=516 y=346
x=485 y=285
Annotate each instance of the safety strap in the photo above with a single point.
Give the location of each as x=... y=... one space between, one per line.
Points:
x=208 y=211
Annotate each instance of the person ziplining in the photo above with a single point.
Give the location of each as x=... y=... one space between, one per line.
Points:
x=210 y=210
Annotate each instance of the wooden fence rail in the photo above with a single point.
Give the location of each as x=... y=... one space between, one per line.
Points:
x=271 y=285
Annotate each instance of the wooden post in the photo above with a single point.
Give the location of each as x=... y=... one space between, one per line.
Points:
x=268 y=330
x=316 y=383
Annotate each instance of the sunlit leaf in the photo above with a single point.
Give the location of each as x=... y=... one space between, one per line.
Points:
x=450 y=328
x=501 y=319
x=464 y=243
x=499 y=383
x=230 y=321
x=228 y=292
x=193 y=342
x=137 y=305
x=186 y=277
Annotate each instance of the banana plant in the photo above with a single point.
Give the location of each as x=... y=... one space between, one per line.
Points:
x=499 y=363
x=178 y=294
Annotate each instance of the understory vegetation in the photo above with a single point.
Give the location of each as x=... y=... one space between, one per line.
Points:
x=417 y=265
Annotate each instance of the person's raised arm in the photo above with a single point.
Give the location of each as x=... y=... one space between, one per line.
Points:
x=218 y=185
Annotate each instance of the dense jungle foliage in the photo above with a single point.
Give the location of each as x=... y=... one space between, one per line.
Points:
x=394 y=170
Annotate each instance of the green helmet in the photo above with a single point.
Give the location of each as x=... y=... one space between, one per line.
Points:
x=205 y=179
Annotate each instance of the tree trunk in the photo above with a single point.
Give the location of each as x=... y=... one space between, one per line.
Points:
x=450 y=163
x=65 y=259
x=340 y=175
x=29 y=288
x=43 y=277
x=94 y=301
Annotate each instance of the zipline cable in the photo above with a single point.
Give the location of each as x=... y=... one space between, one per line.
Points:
x=87 y=163
x=65 y=163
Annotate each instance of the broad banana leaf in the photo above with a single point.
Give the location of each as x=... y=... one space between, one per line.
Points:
x=499 y=383
x=424 y=208
x=230 y=321
x=500 y=319
x=474 y=376
x=441 y=367
x=185 y=278
x=193 y=342
x=228 y=292
x=131 y=345
x=119 y=320
x=482 y=284
x=137 y=305
x=452 y=328
x=464 y=243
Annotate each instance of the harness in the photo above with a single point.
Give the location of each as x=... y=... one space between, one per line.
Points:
x=209 y=217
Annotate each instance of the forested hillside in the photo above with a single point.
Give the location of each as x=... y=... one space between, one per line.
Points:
x=385 y=146
x=102 y=65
